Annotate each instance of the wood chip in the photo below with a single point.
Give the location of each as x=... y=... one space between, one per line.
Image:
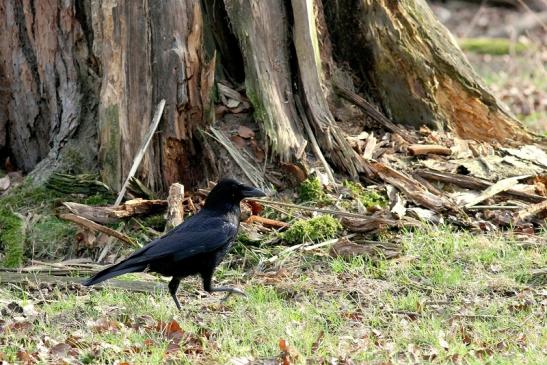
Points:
x=529 y=212
x=428 y=149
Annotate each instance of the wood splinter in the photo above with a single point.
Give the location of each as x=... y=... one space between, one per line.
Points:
x=428 y=149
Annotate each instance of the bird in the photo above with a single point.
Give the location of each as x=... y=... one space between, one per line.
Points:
x=195 y=247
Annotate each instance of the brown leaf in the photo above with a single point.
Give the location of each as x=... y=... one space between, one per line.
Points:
x=60 y=350
x=245 y=132
x=104 y=324
x=24 y=357
x=238 y=141
x=295 y=171
x=256 y=207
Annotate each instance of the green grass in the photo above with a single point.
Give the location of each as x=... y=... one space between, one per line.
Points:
x=452 y=296
x=492 y=46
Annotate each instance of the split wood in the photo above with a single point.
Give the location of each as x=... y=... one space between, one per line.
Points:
x=142 y=150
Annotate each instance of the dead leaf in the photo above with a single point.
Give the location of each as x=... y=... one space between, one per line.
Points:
x=103 y=324
x=60 y=350
x=295 y=172
x=238 y=141
x=24 y=357
x=245 y=132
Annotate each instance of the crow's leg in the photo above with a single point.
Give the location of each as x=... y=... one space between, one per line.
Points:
x=173 y=286
x=207 y=286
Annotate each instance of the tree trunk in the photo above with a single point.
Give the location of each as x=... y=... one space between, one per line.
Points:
x=79 y=80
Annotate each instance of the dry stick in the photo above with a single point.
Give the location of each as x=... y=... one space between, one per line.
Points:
x=371 y=111
x=313 y=141
x=311 y=209
x=97 y=227
x=306 y=246
x=142 y=150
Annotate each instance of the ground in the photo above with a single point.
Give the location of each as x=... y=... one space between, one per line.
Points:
x=451 y=296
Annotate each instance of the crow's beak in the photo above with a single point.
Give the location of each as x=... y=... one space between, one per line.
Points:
x=249 y=192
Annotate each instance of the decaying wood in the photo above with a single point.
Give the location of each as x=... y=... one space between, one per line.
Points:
x=500 y=186
x=111 y=214
x=425 y=77
x=373 y=223
x=138 y=189
x=261 y=28
x=410 y=187
x=427 y=149
x=373 y=113
x=311 y=63
x=348 y=249
x=529 y=212
x=142 y=149
x=175 y=206
x=313 y=141
x=84 y=222
x=87 y=184
x=136 y=286
x=474 y=183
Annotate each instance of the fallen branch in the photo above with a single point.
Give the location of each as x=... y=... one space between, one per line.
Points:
x=347 y=249
x=528 y=212
x=111 y=214
x=371 y=111
x=311 y=209
x=495 y=189
x=411 y=188
x=142 y=150
x=373 y=223
x=475 y=183
x=84 y=222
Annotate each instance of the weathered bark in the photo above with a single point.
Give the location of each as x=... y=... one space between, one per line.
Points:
x=150 y=51
x=48 y=86
x=262 y=30
x=412 y=67
x=79 y=80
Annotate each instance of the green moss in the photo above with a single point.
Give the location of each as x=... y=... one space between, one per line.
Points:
x=98 y=200
x=315 y=229
x=156 y=221
x=369 y=198
x=492 y=46
x=20 y=200
x=11 y=238
x=311 y=190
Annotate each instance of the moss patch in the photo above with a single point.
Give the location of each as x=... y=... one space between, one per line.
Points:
x=314 y=229
x=492 y=46
x=369 y=198
x=311 y=190
x=11 y=238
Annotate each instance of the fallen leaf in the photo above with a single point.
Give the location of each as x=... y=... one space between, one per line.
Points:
x=60 y=350
x=238 y=141
x=24 y=357
x=245 y=132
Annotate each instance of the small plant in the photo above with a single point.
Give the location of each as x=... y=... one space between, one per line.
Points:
x=315 y=229
x=310 y=190
x=369 y=198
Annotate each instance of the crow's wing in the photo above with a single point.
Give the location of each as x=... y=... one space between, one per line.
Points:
x=200 y=234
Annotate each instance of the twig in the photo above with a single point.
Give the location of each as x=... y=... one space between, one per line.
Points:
x=480 y=207
x=326 y=243
x=313 y=141
x=312 y=209
x=142 y=150
x=97 y=227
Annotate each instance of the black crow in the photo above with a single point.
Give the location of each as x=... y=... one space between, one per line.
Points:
x=194 y=247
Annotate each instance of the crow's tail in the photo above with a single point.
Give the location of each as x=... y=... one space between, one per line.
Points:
x=121 y=268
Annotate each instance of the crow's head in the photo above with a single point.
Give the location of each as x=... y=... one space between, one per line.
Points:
x=230 y=192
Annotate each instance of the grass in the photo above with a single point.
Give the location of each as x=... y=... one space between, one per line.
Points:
x=453 y=296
